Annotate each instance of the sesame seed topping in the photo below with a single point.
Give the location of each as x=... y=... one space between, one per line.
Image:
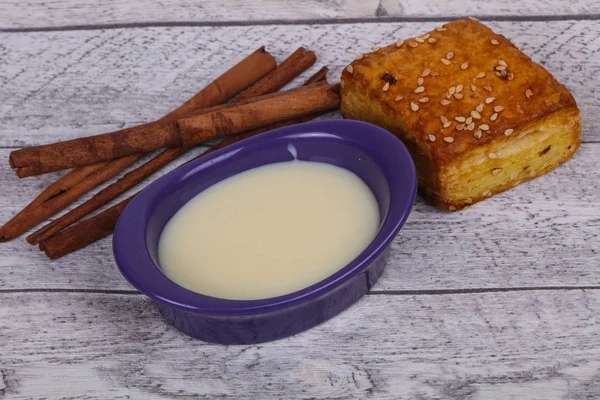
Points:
x=398 y=98
x=350 y=69
x=445 y=62
x=431 y=138
x=532 y=174
x=426 y=36
x=477 y=134
x=528 y=93
x=451 y=90
x=496 y=171
x=471 y=126
x=425 y=72
x=489 y=100
x=420 y=81
x=447 y=124
x=445 y=102
x=464 y=65
x=413 y=44
x=420 y=89
x=510 y=76
x=360 y=57
x=460 y=127
x=448 y=139
x=433 y=73
x=469 y=120
x=424 y=100
x=459 y=88
x=479 y=108
x=498 y=108
x=484 y=127
x=480 y=75
x=475 y=114
x=488 y=88
x=449 y=55
x=514 y=175
x=494 y=117
x=385 y=87
x=458 y=95
x=486 y=193
x=431 y=40
x=503 y=63
x=443 y=119
x=414 y=106
x=500 y=67
x=460 y=119
x=440 y=29
x=473 y=19
x=495 y=42
x=376 y=49
x=508 y=132
x=420 y=40
x=493 y=156
x=473 y=88
x=400 y=43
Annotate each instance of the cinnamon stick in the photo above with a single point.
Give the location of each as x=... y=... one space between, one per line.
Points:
x=147 y=137
x=101 y=225
x=284 y=73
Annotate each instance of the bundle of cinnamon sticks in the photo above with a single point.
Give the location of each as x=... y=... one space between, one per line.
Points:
x=255 y=107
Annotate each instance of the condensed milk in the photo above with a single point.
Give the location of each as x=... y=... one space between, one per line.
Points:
x=269 y=231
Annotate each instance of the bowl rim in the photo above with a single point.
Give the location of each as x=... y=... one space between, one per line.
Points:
x=136 y=265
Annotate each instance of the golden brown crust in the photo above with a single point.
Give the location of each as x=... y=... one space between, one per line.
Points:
x=451 y=91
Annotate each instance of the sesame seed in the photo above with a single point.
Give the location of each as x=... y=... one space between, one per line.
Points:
x=508 y=132
x=447 y=124
x=414 y=106
x=469 y=120
x=460 y=119
x=431 y=40
x=451 y=90
x=488 y=88
x=431 y=138
x=477 y=134
x=420 y=81
x=493 y=156
x=425 y=72
x=459 y=88
x=360 y=57
x=424 y=100
x=496 y=171
x=489 y=100
x=386 y=87
x=449 y=55
x=400 y=43
x=420 y=89
x=413 y=44
x=458 y=95
x=480 y=75
x=494 y=117
x=464 y=65
x=503 y=63
x=440 y=29
x=495 y=42
x=420 y=40
x=443 y=119
x=498 y=108
x=484 y=127
x=528 y=93
x=398 y=98
x=498 y=73
x=486 y=193
x=434 y=73
x=376 y=49
x=475 y=114
x=510 y=76
x=532 y=174
x=500 y=67
x=460 y=127
x=471 y=126
x=473 y=19
x=479 y=108
x=426 y=36
x=445 y=62
x=473 y=88
x=448 y=139
x=445 y=102
x=350 y=69
x=514 y=175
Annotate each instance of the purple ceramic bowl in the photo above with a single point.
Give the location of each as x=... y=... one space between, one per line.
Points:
x=372 y=153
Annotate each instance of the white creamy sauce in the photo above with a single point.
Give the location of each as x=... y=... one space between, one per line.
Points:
x=269 y=231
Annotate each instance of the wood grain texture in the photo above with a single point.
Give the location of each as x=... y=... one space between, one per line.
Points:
x=40 y=13
x=63 y=85
x=476 y=346
x=543 y=233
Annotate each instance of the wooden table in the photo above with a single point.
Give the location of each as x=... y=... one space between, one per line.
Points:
x=498 y=302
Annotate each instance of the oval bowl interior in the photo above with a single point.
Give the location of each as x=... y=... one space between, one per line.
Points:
x=372 y=153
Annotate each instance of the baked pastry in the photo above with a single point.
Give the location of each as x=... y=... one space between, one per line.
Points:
x=477 y=115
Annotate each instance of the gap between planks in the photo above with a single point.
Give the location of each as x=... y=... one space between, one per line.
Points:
x=314 y=21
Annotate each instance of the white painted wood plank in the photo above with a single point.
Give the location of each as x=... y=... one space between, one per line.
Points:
x=542 y=233
x=62 y=85
x=40 y=13
x=525 y=345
